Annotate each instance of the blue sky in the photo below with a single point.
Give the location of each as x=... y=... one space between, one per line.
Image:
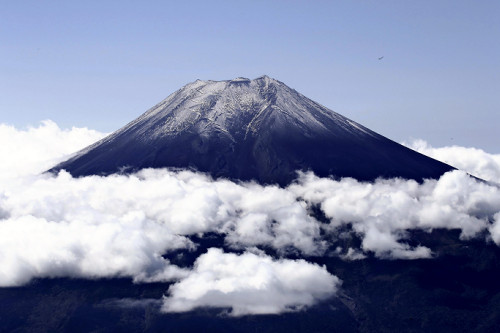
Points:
x=101 y=64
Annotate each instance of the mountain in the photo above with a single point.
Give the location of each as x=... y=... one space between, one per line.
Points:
x=250 y=130
x=261 y=129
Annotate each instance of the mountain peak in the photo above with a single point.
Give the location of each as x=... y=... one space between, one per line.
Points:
x=265 y=78
x=238 y=80
x=246 y=129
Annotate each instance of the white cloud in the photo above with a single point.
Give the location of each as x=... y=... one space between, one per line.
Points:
x=269 y=215
x=121 y=225
x=475 y=161
x=381 y=212
x=36 y=149
x=131 y=246
x=351 y=254
x=250 y=284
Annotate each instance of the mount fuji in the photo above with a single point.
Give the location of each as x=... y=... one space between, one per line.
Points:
x=246 y=129
x=408 y=257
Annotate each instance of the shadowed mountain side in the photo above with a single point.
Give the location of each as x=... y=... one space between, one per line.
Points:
x=250 y=129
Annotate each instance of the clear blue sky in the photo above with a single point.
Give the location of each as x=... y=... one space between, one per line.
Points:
x=100 y=64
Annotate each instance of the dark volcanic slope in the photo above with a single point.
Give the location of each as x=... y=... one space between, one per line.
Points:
x=250 y=129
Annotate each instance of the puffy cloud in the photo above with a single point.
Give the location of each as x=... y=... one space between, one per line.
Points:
x=475 y=161
x=121 y=225
x=131 y=246
x=186 y=203
x=381 y=212
x=250 y=284
x=269 y=215
x=36 y=149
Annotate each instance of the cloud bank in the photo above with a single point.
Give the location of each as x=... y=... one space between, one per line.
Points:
x=475 y=161
x=382 y=211
x=122 y=225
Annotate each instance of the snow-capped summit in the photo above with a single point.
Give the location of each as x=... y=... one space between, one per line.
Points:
x=246 y=129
